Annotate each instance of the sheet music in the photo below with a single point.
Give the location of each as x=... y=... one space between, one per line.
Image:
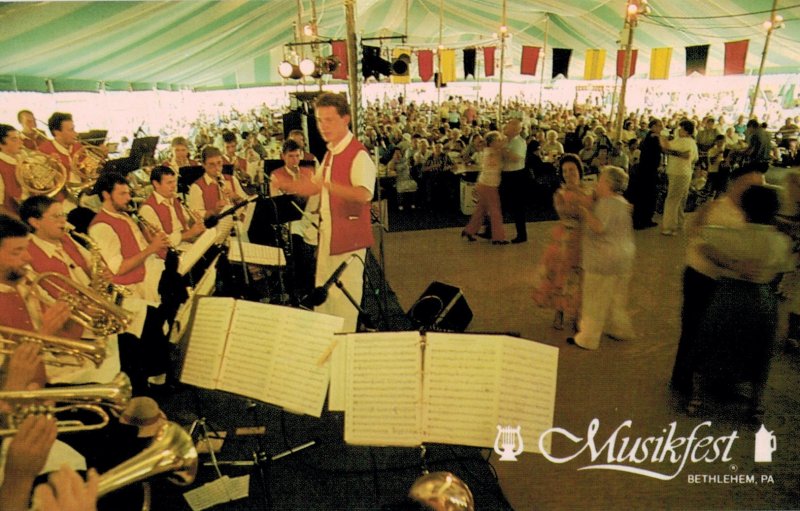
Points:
x=528 y=389
x=207 y=342
x=249 y=353
x=383 y=389
x=297 y=379
x=337 y=392
x=257 y=254
x=460 y=391
x=196 y=250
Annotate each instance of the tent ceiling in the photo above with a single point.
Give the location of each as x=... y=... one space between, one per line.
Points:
x=230 y=43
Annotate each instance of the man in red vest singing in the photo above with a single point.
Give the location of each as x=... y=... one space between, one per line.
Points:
x=347 y=185
x=53 y=250
x=163 y=209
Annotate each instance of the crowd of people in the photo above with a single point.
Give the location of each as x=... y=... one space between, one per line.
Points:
x=608 y=188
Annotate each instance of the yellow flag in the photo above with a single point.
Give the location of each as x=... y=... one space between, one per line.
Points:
x=659 y=63
x=403 y=54
x=447 y=65
x=595 y=60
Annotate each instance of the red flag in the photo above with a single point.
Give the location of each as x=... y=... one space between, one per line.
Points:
x=488 y=60
x=735 y=56
x=339 y=50
x=621 y=62
x=530 y=58
x=425 y=63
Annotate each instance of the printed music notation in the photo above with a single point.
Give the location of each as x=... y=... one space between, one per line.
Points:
x=470 y=384
x=257 y=254
x=262 y=351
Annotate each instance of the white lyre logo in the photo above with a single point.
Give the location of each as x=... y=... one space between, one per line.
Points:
x=505 y=442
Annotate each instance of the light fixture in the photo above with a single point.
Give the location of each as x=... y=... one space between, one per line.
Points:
x=288 y=70
x=307 y=67
x=309 y=29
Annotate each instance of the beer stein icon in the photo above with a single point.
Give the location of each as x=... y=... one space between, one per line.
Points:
x=765 y=445
x=508 y=443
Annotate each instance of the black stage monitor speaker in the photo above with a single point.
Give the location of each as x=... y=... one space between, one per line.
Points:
x=441 y=307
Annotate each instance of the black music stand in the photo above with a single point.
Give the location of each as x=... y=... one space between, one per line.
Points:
x=270 y=212
x=227 y=169
x=187 y=176
x=143 y=147
x=271 y=165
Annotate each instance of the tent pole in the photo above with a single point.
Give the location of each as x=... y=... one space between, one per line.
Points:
x=772 y=23
x=439 y=57
x=503 y=32
x=544 y=56
x=630 y=23
x=352 y=56
x=405 y=83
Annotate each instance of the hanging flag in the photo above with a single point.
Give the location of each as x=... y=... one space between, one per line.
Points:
x=561 y=58
x=530 y=60
x=660 y=59
x=447 y=65
x=735 y=56
x=593 y=66
x=469 y=62
x=488 y=61
x=401 y=56
x=621 y=62
x=339 y=50
x=696 y=59
x=425 y=64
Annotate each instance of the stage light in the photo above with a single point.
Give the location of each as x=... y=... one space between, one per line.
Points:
x=288 y=70
x=307 y=67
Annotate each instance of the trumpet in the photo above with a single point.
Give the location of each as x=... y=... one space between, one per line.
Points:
x=92 y=398
x=172 y=450
x=89 y=308
x=65 y=352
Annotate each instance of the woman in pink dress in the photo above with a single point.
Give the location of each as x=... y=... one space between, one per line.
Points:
x=558 y=275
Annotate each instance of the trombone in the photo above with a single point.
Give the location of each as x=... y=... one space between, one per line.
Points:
x=92 y=398
x=61 y=349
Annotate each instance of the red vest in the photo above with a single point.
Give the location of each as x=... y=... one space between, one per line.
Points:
x=162 y=211
x=13 y=191
x=211 y=191
x=15 y=315
x=32 y=141
x=128 y=246
x=350 y=221
x=47 y=147
x=42 y=263
x=236 y=161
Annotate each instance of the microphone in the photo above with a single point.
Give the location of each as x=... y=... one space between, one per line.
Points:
x=319 y=294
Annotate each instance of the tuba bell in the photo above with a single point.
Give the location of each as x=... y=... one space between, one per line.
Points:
x=62 y=351
x=89 y=308
x=40 y=174
x=172 y=450
x=92 y=398
x=442 y=491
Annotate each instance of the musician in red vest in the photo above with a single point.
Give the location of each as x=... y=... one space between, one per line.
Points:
x=214 y=191
x=10 y=190
x=135 y=264
x=130 y=257
x=53 y=250
x=348 y=182
x=64 y=146
x=30 y=134
x=163 y=209
x=20 y=308
x=230 y=157
x=300 y=137
x=180 y=155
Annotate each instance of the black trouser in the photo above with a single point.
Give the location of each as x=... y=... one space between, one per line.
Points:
x=697 y=292
x=644 y=196
x=303 y=266
x=513 y=193
x=148 y=355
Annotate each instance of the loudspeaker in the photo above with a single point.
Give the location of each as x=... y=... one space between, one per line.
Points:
x=441 y=307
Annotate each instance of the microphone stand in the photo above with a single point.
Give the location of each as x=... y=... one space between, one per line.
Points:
x=212 y=221
x=366 y=320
